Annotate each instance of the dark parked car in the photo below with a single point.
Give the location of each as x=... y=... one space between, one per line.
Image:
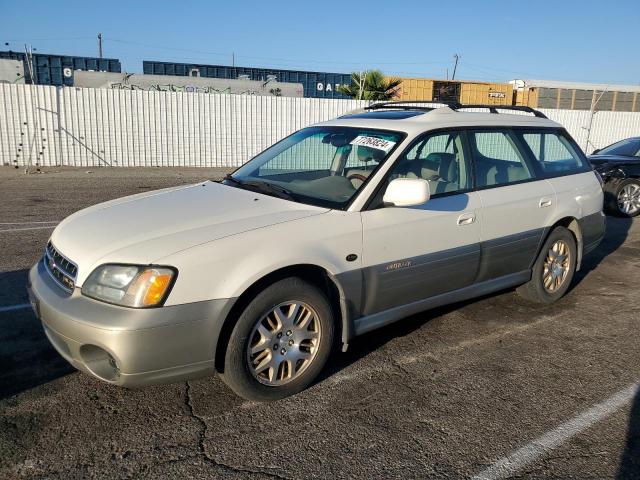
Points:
x=619 y=166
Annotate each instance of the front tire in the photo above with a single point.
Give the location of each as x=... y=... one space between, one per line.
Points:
x=553 y=270
x=625 y=201
x=281 y=341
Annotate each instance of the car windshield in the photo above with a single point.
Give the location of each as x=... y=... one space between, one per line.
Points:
x=628 y=148
x=323 y=166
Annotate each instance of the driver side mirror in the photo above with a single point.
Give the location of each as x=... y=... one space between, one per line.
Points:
x=407 y=192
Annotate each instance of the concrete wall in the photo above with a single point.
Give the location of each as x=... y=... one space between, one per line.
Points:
x=89 y=127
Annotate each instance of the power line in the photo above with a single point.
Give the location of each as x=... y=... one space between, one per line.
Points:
x=277 y=59
x=30 y=40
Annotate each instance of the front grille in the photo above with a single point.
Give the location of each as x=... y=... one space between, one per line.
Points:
x=61 y=269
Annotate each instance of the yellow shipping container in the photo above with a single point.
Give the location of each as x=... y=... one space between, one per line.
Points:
x=415 y=89
x=527 y=97
x=466 y=92
x=486 y=93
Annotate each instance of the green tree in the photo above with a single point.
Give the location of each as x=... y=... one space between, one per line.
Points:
x=375 y=86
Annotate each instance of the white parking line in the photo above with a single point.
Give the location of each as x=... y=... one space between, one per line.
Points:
x=10 y=308
x=27 y=228
x=515 y=461
x=27 y=223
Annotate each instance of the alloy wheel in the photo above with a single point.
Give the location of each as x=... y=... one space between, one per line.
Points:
x=556 y=266
x=283 y=343
x=629 y=199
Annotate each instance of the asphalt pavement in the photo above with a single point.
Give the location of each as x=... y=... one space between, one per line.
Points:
x=493 y=387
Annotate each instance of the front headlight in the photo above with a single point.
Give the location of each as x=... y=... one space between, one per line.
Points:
x=129 y=285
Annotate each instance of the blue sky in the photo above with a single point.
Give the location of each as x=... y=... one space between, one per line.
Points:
x=589 y=41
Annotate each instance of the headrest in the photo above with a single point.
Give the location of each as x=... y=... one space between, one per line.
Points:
x=366 y=154
x=448 y=167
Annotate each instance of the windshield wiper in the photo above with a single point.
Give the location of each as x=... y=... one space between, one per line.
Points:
x=261 y=187
x=231 y=178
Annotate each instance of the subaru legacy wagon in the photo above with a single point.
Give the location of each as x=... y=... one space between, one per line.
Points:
x=338 y=229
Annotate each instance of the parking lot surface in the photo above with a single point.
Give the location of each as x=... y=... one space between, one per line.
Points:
x=493 y=387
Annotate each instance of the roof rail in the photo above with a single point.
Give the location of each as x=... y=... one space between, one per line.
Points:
x=495 y=108
x=424 y=106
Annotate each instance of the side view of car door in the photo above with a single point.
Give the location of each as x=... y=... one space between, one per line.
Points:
x=516 y=204
x=413 y=253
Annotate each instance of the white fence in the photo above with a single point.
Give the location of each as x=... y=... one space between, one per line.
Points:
x=49 y=126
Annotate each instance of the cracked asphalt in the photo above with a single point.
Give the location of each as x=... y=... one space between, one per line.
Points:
x=442 y=394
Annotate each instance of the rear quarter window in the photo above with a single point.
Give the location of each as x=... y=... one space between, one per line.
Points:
x=553 y=152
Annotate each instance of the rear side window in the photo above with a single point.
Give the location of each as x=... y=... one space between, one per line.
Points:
x=497 y=159
x=626 y=148
x=554 y=153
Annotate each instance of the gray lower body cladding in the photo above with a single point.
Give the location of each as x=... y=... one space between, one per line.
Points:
x=593 y=228
x=415 y=284
x=506 y=255
x=405 y=281
x=408 y=280
x=107 y=341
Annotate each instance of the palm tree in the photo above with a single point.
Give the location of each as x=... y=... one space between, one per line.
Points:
x=376 y=86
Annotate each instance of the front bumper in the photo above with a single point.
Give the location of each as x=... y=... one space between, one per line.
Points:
x=126 y=346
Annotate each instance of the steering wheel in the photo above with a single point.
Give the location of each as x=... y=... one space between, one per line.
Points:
x=356 y=176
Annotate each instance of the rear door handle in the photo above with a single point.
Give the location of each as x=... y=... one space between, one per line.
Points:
x=466 y=219
x=545 y=202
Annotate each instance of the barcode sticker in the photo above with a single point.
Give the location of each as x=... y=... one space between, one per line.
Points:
x=373 y=142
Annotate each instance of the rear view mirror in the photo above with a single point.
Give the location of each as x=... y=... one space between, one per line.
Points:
x=407 y=192
x=336 y=139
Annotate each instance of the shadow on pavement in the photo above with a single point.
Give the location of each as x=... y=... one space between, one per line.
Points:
x=616 y=234
x=630 y=459
x=27 y=359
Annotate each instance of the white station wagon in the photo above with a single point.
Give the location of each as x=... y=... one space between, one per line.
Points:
x=338 y=229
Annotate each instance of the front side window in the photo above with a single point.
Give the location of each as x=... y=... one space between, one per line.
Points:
x=626 y=148
x=438 y=158
x=554 y=153
x=324 y=166
x=497 y=159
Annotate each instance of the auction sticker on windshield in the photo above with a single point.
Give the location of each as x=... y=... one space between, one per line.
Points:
x=373 y=142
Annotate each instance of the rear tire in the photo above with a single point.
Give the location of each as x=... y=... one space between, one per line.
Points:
x=281 y=341
x=553 y=270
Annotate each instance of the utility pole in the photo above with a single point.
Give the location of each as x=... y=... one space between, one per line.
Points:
x=233 y=59
x=29 y=57
x=28 y=51
x=99 y=45
x=592 y=112
x=455 y=66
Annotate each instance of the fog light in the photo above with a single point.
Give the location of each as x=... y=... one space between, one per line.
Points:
x=100 y=362
x=113 y=364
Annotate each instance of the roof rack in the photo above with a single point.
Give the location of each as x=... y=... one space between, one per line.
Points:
x=424 y=106
x=495 y=108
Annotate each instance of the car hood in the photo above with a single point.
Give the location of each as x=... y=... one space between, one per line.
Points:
x=143 y=228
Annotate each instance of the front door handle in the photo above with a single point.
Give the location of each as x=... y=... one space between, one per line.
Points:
x=545 y=202
x=466 y=219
